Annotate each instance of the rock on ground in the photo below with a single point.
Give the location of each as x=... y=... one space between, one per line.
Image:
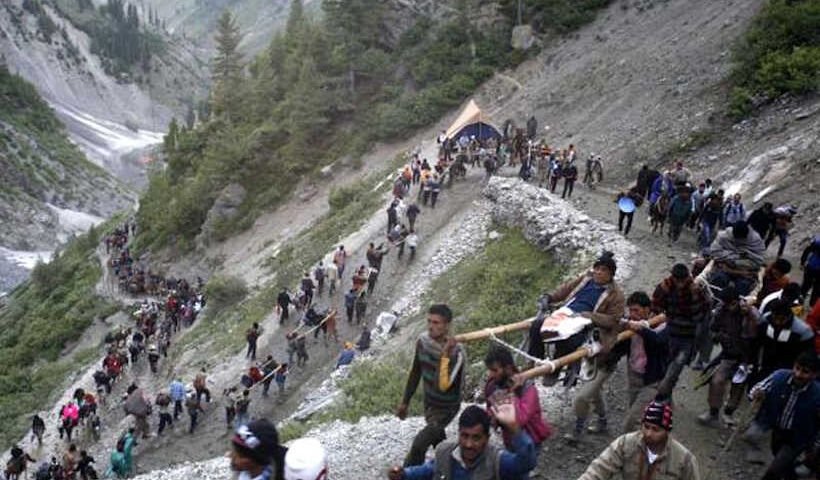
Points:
x=555 y=225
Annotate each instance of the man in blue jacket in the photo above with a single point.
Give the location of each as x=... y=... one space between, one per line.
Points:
x=471 y=457
x=791 y=400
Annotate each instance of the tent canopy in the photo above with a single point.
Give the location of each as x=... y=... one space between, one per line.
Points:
x=472 y=121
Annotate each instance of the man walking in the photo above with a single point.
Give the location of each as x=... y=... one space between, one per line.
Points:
x=438 y=362
x=177 y=393
x=339 y=259
x=648 y=453
x=570 y=174
x=412 y=212
x=163 y=402
x=685 y=305
x=791 y=400
x=283 y=301
x=252 y=335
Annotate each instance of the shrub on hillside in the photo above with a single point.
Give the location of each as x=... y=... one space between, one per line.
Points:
x=343 y=196
x=223 y=291
x=779 y=54
x=795 y=72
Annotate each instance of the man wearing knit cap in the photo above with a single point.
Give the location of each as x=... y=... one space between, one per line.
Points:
x=647 y=453
x=256 y=452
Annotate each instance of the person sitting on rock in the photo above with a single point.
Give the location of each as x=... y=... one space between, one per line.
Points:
x=347 y=355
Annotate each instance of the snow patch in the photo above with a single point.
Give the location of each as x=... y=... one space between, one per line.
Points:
x=108 y=138
x=72 y=221
x=25 y=259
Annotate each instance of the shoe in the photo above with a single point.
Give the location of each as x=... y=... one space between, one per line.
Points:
x=573 y=437
x=599 y=427
x=728 y=419
x=707 y=419
x=577 y=432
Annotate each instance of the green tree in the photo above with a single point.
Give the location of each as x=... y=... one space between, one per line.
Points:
x=170 y=139
x=295 y=23
x=227 y=67
x=354 y=27
x=306 y=108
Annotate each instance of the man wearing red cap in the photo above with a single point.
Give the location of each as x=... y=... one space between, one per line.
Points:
x=647 y=453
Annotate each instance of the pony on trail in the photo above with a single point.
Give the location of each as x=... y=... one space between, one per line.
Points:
x=658 y=212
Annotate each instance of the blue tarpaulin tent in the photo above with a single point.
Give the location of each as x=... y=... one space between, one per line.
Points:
x=472 y=122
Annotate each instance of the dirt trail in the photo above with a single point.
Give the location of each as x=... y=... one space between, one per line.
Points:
x=706 y=443
x=433 y=226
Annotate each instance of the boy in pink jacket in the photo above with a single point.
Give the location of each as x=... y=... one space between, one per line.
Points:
x=502 y=388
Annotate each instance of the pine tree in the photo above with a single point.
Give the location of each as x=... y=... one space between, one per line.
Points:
x=190 y=117
x=306 y=108
x=294 y=28
x=170 y=139
x=227 y=68
x=354 y=27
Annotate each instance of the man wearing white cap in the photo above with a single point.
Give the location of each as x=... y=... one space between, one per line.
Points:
x=306 y=460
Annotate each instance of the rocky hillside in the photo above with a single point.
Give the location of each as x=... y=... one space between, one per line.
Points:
x=196 y=19
x=49 y=189
x=646 y=82
x=112 y=101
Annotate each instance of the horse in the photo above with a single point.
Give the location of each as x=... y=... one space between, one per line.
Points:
x=658 y=212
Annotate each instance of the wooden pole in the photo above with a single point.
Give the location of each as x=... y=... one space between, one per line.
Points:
x=277 y=369
x=499 y=330
x=331 y=314
x=296 y=330
x=579 y=354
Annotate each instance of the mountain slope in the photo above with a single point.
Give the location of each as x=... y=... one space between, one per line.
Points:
x=47 y=42
x=197 y=19
x=48 y=189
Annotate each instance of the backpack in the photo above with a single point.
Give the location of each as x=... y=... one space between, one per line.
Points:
x=319 y=273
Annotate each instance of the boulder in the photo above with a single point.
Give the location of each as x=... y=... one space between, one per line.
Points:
x=224 y=209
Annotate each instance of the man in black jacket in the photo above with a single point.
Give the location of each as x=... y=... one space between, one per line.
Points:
x=283 y=300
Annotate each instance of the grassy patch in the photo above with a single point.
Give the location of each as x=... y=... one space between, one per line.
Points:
x=51 y=310
x=498 y=286
x=695 y=140
x=221 y=328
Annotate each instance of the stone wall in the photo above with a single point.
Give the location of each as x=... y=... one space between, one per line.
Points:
x=556 y=226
